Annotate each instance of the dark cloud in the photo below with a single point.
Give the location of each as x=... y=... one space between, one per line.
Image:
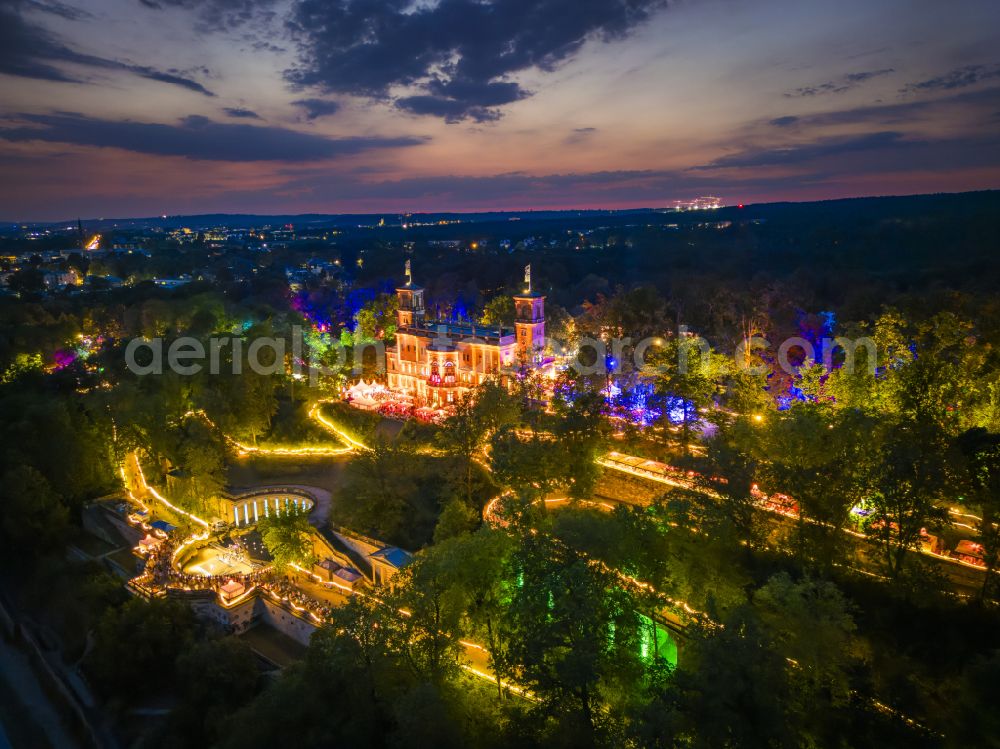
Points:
x=823 y=88
x=459 y=54
x=972 y=105
x=171 y=77
x=240 y=113
x=957 y=78
x=266 y=45
x=195 y=137
x=805 y=153
x=30 y=51
x=457 y=100
x=476 y=93
x=579 y=135
x=451 y=110
x=220 y=15
x=69 y=12
x=316 y=108
x=840 y=85
x=866 y=75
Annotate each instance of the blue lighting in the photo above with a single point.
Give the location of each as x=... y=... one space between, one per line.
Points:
x=640 y=404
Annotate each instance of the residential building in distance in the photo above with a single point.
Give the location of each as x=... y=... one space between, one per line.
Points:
x=173 y=283
x=56 y=279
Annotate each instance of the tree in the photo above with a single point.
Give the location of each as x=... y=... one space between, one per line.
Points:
x=27 y=281
x=156 y=318
x=903 y=473
x=735 y=511
x=429 y=634
x=477 y=417
x=376 y=320
x=635 y=313
x=687 y=376
x=494 y=407
x=34 y=521
x=288 y=537
x=360 y=639
x=477 y=568
x=377 y=481
x=240 y=399
x=342 y=694
x=202 y=323
x=629 y=539
x=732 y=688
x=574 y=639
x=462 y=436
x=703 y=567
x=944 y=382
x=982 y=465
x=934 y=370
x=580 y=435
x=23 y=364
x=776 y=673
x=976 y=721
x=135 y=646
x=254 y=404
x=809 y=452
x=812 y=626
x=527 y=464
x=746 y=391
x=499 y=312
x=456 y=519
x=202 y=456
x=67 y=438
x=214 y=678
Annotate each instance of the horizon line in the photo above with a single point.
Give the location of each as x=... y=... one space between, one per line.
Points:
x=489 y=211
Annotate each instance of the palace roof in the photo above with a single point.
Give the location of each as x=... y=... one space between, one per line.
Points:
x=460 y=330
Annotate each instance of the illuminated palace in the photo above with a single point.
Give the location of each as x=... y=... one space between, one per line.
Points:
x=435 y=362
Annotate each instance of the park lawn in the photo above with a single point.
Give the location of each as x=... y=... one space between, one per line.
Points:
x=256 y=470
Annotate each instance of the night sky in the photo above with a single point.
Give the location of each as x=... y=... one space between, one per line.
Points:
x=114 y=108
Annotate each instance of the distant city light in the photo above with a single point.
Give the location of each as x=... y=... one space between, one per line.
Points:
x=705 y=203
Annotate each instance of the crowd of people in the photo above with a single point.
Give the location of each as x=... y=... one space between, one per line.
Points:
x=285 y=589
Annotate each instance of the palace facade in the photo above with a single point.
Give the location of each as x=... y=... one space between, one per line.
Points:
x=435 y=362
